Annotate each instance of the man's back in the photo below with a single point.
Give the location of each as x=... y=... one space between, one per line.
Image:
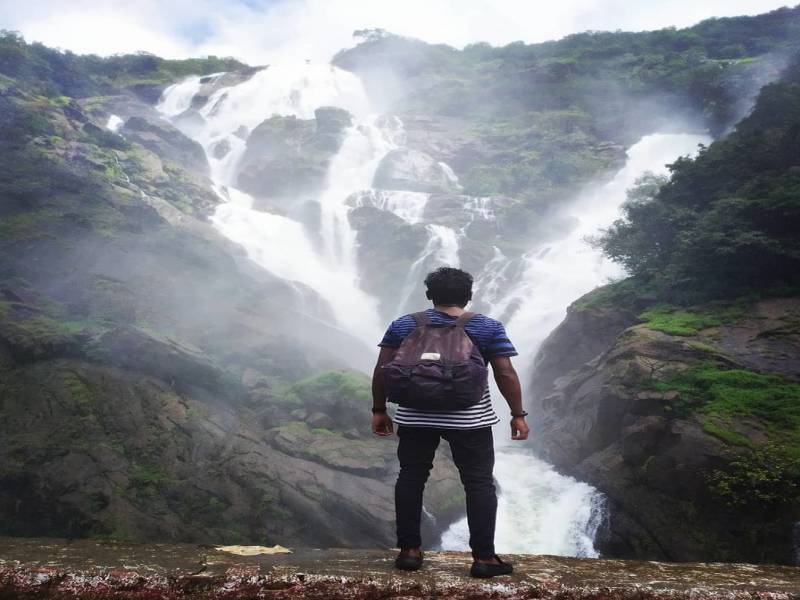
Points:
x=489 y=336
x=468 y=431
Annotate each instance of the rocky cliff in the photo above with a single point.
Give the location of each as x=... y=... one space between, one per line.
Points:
x=154 y=383
x=686 y=419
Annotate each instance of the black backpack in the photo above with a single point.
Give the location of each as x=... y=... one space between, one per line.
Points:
x=437 y=367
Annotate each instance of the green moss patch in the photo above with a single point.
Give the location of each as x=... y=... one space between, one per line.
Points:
x=684 y=321
x=331 y=390
x=721 y=395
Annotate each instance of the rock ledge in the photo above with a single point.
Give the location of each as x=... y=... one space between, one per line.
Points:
x=51 y=568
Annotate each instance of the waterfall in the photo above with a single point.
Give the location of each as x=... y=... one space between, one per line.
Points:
x=561 y=271
x=409 y=206
x=114 y=123
x=441 y=249
x=278 y=243
x=178 y=97
x=540 y=510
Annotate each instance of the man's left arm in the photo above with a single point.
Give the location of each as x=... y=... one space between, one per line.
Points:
x=381 y=422
x=508 y=383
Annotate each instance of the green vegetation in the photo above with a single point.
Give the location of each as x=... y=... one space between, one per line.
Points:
x=764 y=480
x=675 y=321
x=63 y=75
x=718 y=395
x=626 y=295
x=741 y=407
x=726 y=223
x=333 y=391
x=543 y=114
x=144 y=476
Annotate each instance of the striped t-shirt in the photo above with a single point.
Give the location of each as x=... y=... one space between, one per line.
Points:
x=491 y=339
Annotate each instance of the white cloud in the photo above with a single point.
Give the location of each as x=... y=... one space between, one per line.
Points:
x=317 y=28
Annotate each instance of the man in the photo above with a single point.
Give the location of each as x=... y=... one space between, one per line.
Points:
x=468 y=431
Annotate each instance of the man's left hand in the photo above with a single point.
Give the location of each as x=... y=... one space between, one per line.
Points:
x=519 y=429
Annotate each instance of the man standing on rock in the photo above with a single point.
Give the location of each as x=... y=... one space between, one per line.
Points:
x=468 y=429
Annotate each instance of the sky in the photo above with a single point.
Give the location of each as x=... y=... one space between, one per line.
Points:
x=260 y=31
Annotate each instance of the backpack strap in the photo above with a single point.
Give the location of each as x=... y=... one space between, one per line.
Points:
x=421 y=318
x=463 y=318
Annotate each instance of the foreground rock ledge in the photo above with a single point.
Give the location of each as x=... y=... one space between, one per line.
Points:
x=52 y=568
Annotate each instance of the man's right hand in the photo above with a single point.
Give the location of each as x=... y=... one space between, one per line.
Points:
x=382 y=424
x=519 y=428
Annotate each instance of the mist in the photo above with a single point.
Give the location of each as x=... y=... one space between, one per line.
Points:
x=266 y=31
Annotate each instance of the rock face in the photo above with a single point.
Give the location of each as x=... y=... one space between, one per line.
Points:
x=287 y=158
x=167 y=142
x=387 y=245
x=646 y=417
x=415 y=171
x=56 y=569
x=166 y=446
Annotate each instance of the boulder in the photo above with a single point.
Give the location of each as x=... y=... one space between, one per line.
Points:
x=331 y=119
x=221 y=149
x=387 y=248
x=165 y=358
x=329 y=449
x=287 y=158
x=320 y=419
x=166 y=141
x=415 y=171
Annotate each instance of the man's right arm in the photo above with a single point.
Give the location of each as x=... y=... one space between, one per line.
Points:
x=508 y=383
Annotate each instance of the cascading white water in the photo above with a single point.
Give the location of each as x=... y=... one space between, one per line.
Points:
x=409 y=206
x=560 y=272
x=276 y=242
x=540 y=510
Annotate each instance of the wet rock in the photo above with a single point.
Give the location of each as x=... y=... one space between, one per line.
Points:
x=148 y=92
x=287 y=158
x=352 y=433
x=221 y=149
x=329 y=448
x=299 y=414
x=56 y=568
x=320 y=419
x=387 y=247
x=415 y=171
x=608 y=409
x=166 y=141
x=331 y=123
x=165 y=358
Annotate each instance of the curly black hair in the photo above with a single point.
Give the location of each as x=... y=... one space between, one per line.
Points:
x=448 y=286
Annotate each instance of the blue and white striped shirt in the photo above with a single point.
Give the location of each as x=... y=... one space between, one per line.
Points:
x=491 y=339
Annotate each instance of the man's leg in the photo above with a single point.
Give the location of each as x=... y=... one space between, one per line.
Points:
x=473 y=454
x=415 y=450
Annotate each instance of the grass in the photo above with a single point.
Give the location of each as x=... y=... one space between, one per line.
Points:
x=143 y=476
x=719 y=395
x=29 y=225
x=686 y=322
x=622 y=294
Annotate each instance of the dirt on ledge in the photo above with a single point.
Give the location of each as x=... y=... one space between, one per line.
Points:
x=54 y=568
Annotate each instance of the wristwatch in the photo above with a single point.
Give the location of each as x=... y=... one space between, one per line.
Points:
x=378 y=410
x=522 y=414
